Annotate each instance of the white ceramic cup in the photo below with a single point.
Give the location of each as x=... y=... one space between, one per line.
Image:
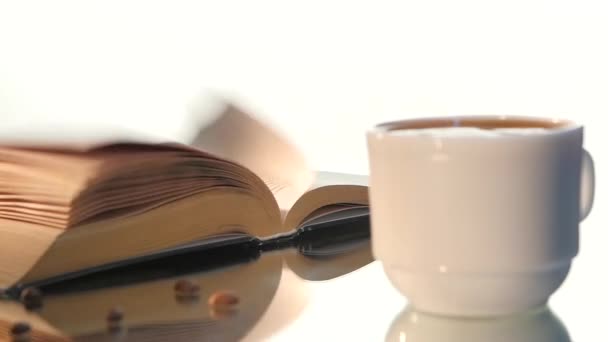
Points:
x=478 y=221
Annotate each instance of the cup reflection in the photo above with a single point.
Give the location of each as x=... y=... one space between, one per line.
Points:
x=540 y=325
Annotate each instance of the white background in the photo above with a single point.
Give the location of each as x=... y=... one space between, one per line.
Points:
x=323 y=72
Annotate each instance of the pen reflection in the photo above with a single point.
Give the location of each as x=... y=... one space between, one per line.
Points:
x=535 y=326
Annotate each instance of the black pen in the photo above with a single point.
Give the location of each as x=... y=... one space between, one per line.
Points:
x=321 y=239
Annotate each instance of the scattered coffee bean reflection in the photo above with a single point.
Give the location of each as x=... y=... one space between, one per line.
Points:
x=31 y=298
x=20 y=332
x=221 y=313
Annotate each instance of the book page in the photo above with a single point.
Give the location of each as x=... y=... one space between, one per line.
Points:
x=326 y=178
x=238 y=137
x=330 y=191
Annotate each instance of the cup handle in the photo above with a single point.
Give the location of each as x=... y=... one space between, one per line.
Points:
x=587 y=185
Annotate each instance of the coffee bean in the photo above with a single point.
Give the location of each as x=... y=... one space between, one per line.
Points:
x=115 y=315
x=20 y=332
x=31 y=298
x=185 y=288
x=114 y=320
x=223 y=299
x=223 y=304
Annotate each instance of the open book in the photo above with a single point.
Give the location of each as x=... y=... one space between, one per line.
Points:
x=71 y=203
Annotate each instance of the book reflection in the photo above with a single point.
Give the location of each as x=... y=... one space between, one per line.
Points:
x=271 y=296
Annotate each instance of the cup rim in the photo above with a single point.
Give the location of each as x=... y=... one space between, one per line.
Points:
x=553 y=125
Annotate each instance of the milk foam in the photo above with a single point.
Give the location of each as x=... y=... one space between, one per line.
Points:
x=468 y=132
